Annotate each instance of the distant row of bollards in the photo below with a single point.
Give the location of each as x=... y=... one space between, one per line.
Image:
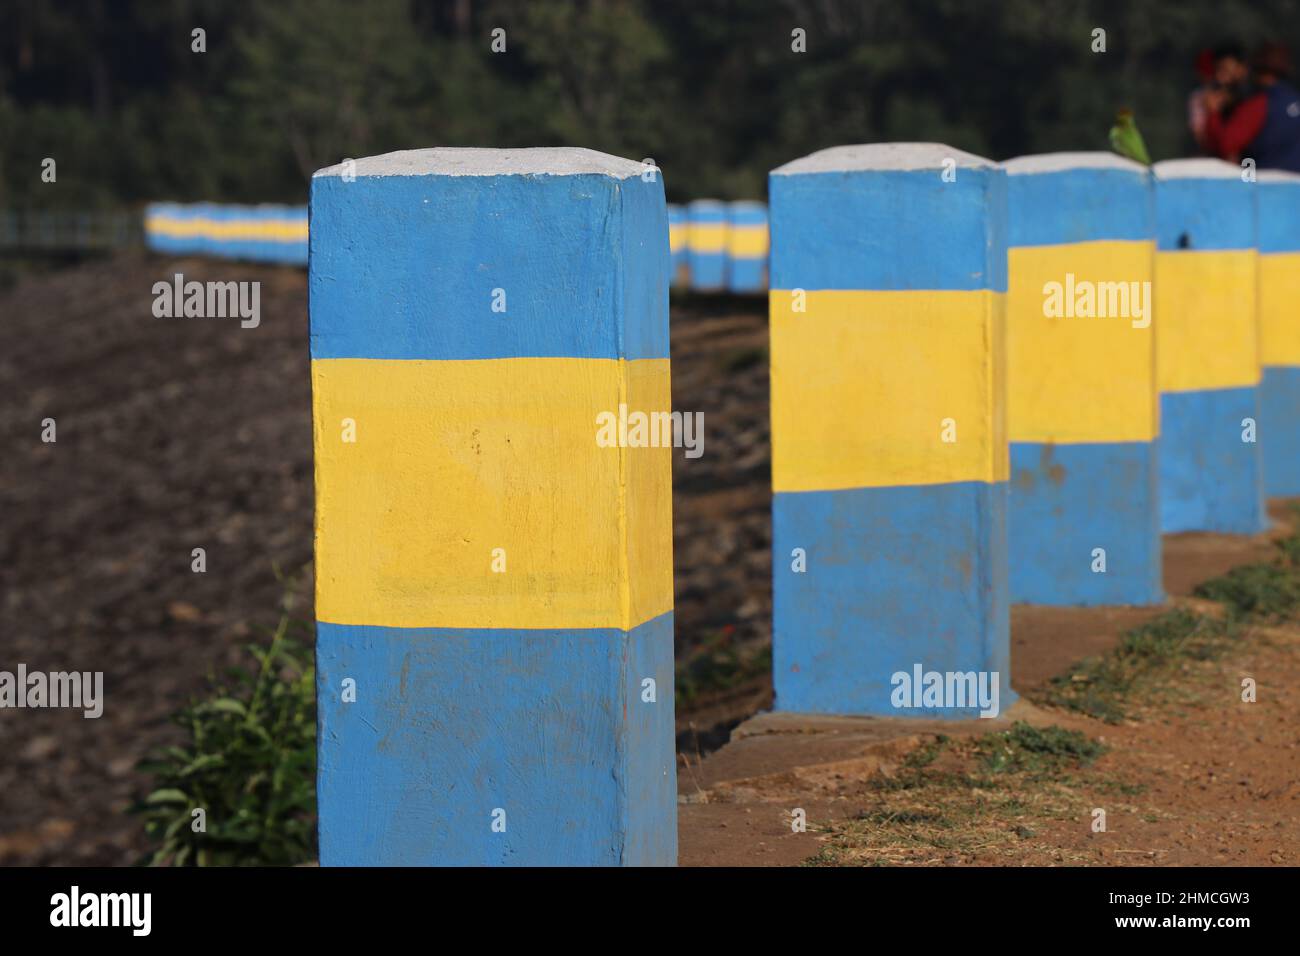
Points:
x=262 y=233
x=719 y=246
x=716 y=246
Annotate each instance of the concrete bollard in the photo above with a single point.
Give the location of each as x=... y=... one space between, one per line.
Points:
x=165 y=229
x=889 y=450
x=282 y=233
x=1082 y=404
x=706 y=239
x=493 y=583
x=196 y=228
x=1208 y=358
x=228 y=228
x=677 y=226
x=747 y=246
x=1279 y=321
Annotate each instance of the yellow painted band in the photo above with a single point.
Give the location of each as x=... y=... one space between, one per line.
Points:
x=287 y=230
x=707 y=237
x=747 y=242
x=1081 y=348
x=676 y=237
x=874 y=389
x=1206 y=321
x=453 y=459
x=1279 y=308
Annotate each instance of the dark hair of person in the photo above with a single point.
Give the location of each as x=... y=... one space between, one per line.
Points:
x=1230 y=50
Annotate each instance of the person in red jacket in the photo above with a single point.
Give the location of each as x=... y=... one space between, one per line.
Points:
x=1222 y=70
x=1265 y=125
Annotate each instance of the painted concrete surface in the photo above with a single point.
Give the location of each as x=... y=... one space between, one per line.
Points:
x=1208 y=362
x=494 y=587
x=747 y=246
x=889 y=465
x=1279 y=330
x=706 y=245
x=1082 y=405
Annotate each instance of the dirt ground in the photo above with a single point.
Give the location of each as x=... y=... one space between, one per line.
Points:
x=177 y=434
x=1194 y=777
x=1201 y=778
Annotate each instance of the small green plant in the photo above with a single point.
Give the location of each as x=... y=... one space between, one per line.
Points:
x=1035 y=750
x=965 y=796
x=1270 y=591
x=1290 y=545
x=248 y=763
x=719 y=664
x=1101 y=686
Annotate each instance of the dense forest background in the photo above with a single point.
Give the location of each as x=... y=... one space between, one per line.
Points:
x=709 y=88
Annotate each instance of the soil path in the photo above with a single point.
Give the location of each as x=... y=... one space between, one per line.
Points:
x=1196 y=777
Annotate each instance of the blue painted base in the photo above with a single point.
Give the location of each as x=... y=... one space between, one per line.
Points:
x=747 y=275
x=449 y=726
x=1279 y=417
x=708 y=271
x=1210 y=480
x=1066 y=501
x=286 y=253
x=895 y=577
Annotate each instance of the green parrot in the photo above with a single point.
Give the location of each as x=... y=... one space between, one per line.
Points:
x=1126 y=140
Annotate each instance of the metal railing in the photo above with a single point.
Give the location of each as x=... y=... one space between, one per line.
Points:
x=59 y=232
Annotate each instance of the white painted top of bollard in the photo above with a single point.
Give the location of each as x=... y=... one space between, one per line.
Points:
x=882 y=157
x=1196 y=168
x=1060 y=162
x=472 y=161
x=1277 y=176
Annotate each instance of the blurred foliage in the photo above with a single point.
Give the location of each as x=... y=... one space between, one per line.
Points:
x=709 y=88
x=248 y=761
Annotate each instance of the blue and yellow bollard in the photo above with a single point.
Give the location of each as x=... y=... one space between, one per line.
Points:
x=1082 y=403
x=747 y=246
x=280 y=233
x=162 y=229
x=889 y=449
x=494 y=587
x=706 y=245
x=1279 y=330
x=202 y=219
x=677 y=228
x=1208 y=356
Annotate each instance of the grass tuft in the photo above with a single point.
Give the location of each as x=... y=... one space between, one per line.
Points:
x=1102 y=686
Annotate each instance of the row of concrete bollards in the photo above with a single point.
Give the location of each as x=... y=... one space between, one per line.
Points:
x=989 y=383
x=263 y=233
x=719 y=246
